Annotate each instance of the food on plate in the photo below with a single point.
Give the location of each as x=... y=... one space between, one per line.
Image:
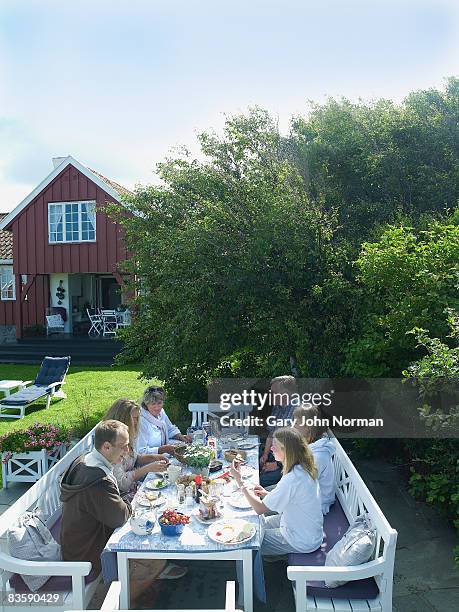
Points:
x=187 y=479
x=215 y=465
x=231 y=531
x=234 y=453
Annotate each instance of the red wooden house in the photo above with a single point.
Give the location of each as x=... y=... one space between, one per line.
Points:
x=58 y=238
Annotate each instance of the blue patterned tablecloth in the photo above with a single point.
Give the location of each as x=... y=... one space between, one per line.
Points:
x=194 y=537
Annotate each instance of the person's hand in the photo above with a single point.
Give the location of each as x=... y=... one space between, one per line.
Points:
x=236 y=472
x=188 y=439
x=162 y=458
x=270 y=466
x=260 y=491
x=167 y=448
x=263 y=459
x=158 y=466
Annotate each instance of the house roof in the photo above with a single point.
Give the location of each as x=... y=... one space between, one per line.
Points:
x=6 y=244
x=110 y=187
x=116 y=186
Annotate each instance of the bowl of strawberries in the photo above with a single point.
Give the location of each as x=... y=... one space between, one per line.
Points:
x=173 y=523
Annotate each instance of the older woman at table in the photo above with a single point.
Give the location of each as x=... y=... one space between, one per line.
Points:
x=156 y=429
x=298 y=525
x=134 y=466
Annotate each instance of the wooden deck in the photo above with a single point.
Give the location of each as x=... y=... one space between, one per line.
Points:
x=82 y=349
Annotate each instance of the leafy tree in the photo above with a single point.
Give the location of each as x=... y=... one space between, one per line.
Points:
x=437 y=373
x=409 y=278
x=376 y=163
x=239 y=272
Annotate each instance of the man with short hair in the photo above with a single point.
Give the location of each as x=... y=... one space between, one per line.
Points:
x=92 y=507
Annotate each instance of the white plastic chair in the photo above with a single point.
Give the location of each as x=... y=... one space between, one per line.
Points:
x=202 y=412
x=124 y=318
x=109 y=322
x=96 y=323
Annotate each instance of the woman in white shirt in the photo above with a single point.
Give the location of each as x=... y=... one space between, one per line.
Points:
x=298 y=525
x=156 y=429
x=308 y=423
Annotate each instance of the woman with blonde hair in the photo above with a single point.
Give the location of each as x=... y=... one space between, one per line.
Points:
x=312 y=426
x=298 y=525
x=134 y=466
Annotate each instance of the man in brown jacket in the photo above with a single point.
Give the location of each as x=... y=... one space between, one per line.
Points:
x=91 y=503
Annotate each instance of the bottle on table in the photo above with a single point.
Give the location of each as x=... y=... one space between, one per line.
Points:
x=198 y=482
x=205 y=432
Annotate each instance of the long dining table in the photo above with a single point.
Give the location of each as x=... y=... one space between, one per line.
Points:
x=194 y=543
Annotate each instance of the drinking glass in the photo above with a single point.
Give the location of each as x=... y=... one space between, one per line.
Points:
x=172 y=499
x=225 y=441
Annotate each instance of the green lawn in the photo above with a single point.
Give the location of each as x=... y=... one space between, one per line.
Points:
x=90 y=392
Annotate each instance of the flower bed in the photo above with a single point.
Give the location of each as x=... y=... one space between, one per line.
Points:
x=27 y=454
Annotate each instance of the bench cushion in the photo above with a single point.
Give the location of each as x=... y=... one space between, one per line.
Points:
x=56 y=584
x=25 y=396
x=335 y=526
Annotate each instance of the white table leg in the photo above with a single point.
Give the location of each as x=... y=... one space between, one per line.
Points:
x=123 y=577
x=247 y=580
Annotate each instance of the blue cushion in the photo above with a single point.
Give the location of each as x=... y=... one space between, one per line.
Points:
x=53 y=369
x=335 y=526
x=55 y=584
x=25 y=396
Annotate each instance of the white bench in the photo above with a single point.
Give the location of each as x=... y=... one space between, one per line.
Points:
x=112 y=600
x=202 y=412
x=44 y=496
x=355 y=499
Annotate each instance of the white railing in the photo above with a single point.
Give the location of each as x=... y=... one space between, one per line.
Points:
x=44 y=497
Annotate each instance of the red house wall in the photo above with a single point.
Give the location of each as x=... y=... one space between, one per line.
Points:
x=7 y=312
x=33 y=309
x=32 y=253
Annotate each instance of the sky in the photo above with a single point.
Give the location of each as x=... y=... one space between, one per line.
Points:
x=118 y=85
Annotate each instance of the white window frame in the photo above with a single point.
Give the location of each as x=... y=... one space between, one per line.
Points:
x=4 y=285
x=80 y=228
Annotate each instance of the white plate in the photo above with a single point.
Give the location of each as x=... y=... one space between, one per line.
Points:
x=247 y=471
x=228 y=528
x=151 y=484
x=247 y=445
x=146 y=503
x=238 y=500
x=158 y=502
